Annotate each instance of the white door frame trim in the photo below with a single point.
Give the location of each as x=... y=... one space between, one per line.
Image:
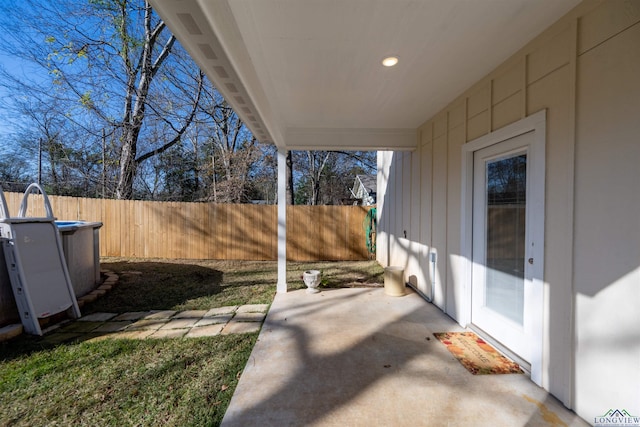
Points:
x=535 y=123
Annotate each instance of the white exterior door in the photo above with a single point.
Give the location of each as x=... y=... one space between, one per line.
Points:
x=502 y=281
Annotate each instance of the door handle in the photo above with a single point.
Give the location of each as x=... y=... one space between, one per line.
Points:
x=531 y=261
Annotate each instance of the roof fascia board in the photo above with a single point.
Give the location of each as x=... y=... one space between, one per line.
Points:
x=209 y=34
x=224 y=25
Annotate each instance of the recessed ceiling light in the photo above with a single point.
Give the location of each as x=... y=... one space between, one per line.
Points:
x=390 y=61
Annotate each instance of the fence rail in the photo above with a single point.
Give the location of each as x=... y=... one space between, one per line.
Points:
x=143 y=229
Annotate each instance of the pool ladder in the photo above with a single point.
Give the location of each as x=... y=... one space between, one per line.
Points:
x=36 y=263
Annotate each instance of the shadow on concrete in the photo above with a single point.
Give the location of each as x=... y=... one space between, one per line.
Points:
x=357 y=357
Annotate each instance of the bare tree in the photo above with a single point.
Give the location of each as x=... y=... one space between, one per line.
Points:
x=232 y=149
x=291 y=195
x=324 y=177
x=142 y=65
x=65 y=164
x=15 y=173
x=114 y=68
x=317 y=163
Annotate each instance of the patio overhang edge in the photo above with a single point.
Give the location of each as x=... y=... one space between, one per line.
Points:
x=351 y=139
x=211 y=37
x=210 y=33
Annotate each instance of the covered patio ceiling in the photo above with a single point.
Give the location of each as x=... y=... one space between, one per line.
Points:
x=307 y=74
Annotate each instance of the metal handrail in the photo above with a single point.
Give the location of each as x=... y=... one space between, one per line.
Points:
x=25 y=201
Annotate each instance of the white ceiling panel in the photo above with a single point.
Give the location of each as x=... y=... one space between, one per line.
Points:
x=308 y=73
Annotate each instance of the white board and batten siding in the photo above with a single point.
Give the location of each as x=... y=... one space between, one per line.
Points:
x=583 y=71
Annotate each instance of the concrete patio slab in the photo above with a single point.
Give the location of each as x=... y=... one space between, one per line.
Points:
x=113 y=326
x=61 y=337
x=168 y=333
x=205 y=331
x=179 y=323
x=190 y=314
x=132 y=315
x=164 y=314
x=157 y=324
x=357 y=357
x=221 y=310
x=241 y=328
x=253 y=308
x=129 y=335
x=81 y=327
x=153 y=324
x=125 y=335
x=97 y=317
x=205 y=321
x=249 y=317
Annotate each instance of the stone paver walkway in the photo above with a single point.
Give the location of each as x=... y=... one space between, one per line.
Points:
x=163 y=324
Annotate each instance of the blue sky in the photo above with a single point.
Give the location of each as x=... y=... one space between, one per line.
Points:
x=15 y=66
x=19 y=68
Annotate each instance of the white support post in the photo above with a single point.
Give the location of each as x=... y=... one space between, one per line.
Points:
x=282 y=221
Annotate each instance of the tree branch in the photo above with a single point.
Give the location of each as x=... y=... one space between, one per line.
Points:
x=186 y=125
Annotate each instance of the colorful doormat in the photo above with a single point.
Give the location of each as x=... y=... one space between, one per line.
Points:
x=476 y=355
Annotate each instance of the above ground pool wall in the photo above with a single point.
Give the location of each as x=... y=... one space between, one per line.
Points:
x=8 y=310
x=81 y=246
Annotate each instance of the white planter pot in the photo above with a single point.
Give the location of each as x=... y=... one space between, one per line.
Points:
x=311 y=278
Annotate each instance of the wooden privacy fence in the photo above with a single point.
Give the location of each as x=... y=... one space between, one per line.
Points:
x=143 y=229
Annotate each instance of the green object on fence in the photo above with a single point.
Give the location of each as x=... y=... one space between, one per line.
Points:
x=370 y=225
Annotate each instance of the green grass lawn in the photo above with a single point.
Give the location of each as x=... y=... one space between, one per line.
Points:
x=174 y=382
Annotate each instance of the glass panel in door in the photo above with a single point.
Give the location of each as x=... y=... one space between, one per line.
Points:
x=506 y=197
